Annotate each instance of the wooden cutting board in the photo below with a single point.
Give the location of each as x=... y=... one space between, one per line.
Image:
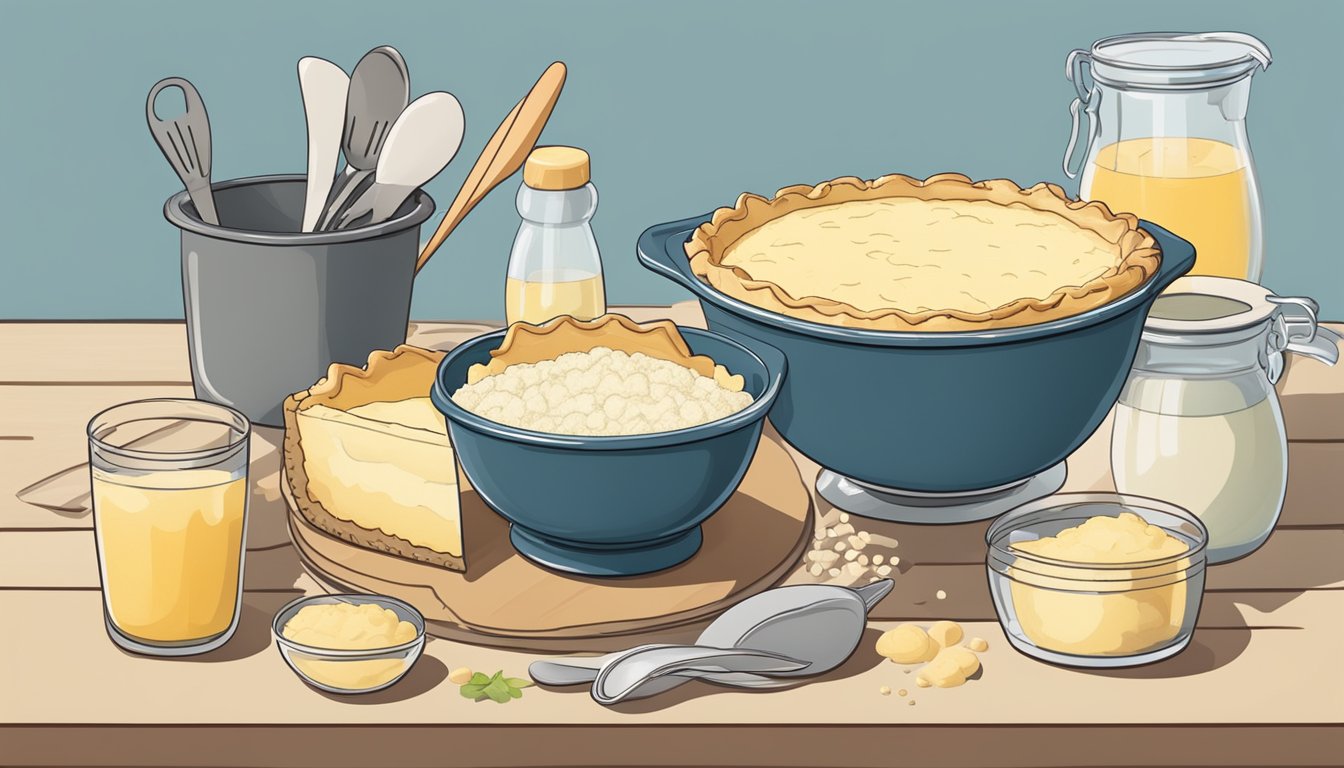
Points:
x=505 y=600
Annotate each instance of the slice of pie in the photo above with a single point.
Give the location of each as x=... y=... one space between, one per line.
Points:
x=368 y=458
x=942 y=254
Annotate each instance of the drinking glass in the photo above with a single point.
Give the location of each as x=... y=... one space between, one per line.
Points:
x=170 y=517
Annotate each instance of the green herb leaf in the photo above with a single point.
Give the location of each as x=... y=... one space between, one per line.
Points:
x=496 y=687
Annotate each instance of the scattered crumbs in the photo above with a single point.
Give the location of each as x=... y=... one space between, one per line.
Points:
x=912 y=702
x=848 y=556
x=978 y=644
x=886 y=690
x=902 y=692
x=940 y=594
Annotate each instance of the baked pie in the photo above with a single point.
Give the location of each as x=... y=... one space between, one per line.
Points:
x=368 y=459
x=942 y=254
x=606 y=377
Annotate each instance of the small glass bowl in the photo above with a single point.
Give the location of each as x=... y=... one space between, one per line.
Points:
x=1095 y=615
x=350 y=671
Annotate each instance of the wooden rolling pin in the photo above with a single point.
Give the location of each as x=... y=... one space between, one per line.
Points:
x=503 y=155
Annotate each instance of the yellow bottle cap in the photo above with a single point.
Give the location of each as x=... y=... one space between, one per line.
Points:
x=556 y=168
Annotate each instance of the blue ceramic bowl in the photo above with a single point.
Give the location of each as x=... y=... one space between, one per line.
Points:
x=610 y=506
x=936 y=412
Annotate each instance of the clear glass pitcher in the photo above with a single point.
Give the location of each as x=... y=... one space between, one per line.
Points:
x=1198 y=422
x=1166 y=139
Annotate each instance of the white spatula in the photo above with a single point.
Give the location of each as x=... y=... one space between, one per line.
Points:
x=420 y=145
x=324 y=87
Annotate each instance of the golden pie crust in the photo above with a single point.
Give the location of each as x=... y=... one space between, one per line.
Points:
x=526 y=343
x=400 y=374
x=1062 y=257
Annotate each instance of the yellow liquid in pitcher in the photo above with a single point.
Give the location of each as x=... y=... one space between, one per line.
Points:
x=546 y=295
x=170 y=545
x=1197 y=188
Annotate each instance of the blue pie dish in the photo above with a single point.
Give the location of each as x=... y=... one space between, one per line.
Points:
x=610 y=506
x=935 y=412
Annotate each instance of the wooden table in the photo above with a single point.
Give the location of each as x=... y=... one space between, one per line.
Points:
x=1262 y=682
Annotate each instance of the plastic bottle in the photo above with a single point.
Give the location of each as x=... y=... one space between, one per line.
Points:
x=554 y=267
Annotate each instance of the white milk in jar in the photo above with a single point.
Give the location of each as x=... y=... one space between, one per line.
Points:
x=1198 y=423
x=1237 y=483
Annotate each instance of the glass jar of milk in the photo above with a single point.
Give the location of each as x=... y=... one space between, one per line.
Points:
x=1198 y=423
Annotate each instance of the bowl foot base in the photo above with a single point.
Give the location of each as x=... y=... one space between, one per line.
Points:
x=1098 y=662
x=646 y=557
x=895 y=505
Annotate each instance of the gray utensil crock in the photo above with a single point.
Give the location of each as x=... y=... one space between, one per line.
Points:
x=269 y=308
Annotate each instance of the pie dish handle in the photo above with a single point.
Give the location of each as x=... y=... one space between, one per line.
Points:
x=1178 y=257
x=659 y=249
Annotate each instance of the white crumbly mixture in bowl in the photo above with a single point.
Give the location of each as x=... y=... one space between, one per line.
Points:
x=600 y=392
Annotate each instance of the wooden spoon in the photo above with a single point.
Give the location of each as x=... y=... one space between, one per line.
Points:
x=503 y=154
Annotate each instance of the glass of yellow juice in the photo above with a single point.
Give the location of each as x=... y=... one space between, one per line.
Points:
x=170 y=493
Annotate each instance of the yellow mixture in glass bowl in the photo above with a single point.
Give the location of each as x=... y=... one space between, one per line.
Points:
x=1108 y=589
x=343 y=627
x=1130 y=610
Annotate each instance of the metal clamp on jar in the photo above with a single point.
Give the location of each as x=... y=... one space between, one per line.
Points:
x=1198 y=423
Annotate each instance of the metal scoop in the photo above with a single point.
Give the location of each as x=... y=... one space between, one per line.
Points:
x=817 y=624
x=625 y=677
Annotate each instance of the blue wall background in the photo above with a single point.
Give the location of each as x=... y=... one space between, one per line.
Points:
x=682 y=105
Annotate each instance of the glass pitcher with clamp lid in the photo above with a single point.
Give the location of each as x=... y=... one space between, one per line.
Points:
x=1166 y=139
